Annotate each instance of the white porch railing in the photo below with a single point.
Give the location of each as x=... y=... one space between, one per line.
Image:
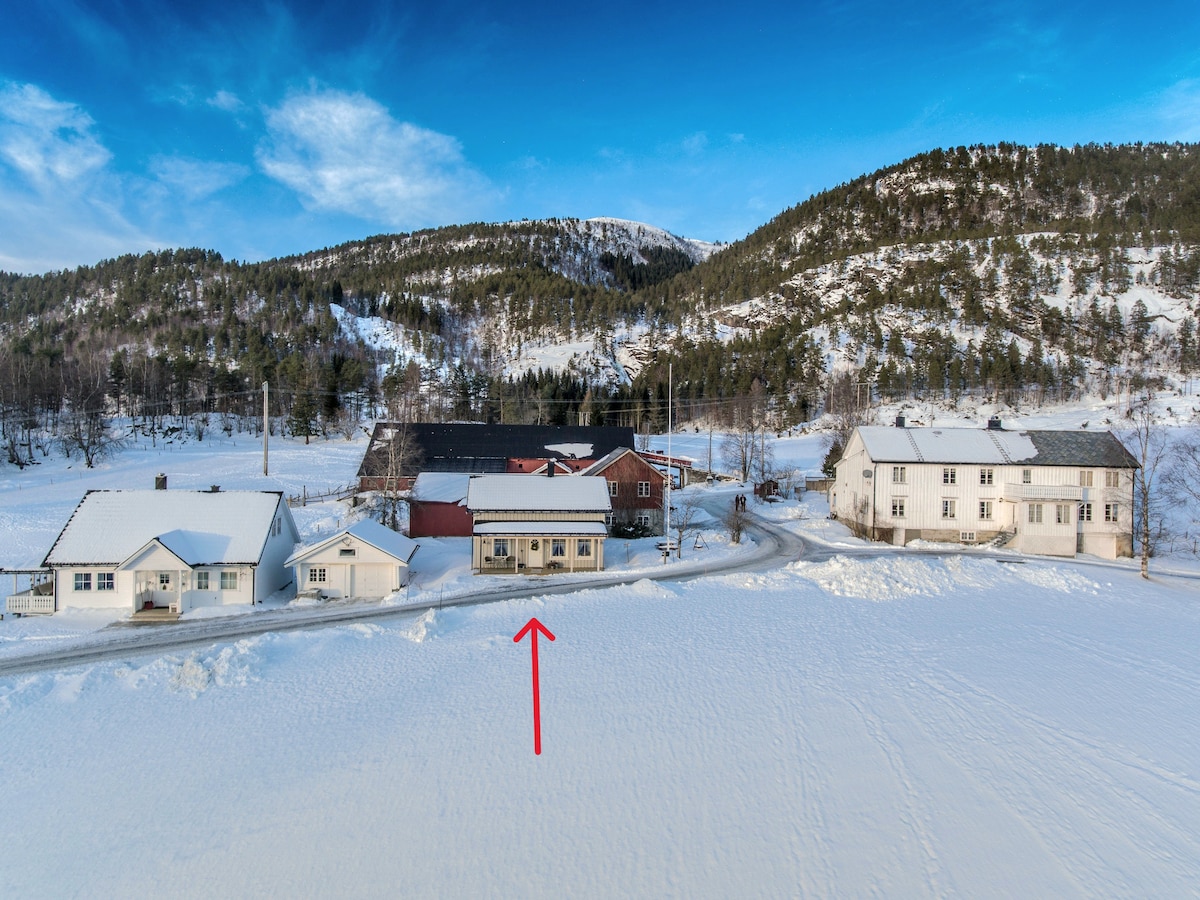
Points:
x=28 y=603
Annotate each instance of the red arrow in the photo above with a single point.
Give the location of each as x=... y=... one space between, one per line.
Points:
x=532 y=627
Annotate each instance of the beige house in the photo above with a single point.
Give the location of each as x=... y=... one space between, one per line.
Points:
x=1049 y=492
x=533 y=524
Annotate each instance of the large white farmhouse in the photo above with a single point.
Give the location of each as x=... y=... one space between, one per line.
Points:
x=1050 y=492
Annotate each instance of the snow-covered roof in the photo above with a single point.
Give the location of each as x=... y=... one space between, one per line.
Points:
x=441 y=487
x=200 y=527
x=565 y=529
x=561 y=493
x=369 y=532
x=994 y=446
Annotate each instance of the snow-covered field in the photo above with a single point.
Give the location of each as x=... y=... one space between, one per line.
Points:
x=899 y=725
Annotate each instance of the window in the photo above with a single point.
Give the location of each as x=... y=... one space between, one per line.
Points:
x=104 y=581
x=164 y=581
x=347 y=551
x=1085 y=512
x=583 y=547
x=949 y=510
x=558 y=547
x=987 y=476
x=985 y=509
x=1062 y=513
x=499 y=546
x=898 y=507
x=83 y=581
x=610 y=519
x=899 y=474
x=1112 y=479
x=1035 y=513
x=1027 y=476
x=643 y=489
x=949 y=476
x=1110 y=512
x=278 y=527
x=229 y=581
x=612 y=489
x=316 y=575
x=202 y=581
x=643 y=521
x=1085 y=477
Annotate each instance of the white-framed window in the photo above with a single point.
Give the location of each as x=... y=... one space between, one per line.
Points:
x=1062 y=513
x=1035 y=513
x=1027 y=476
x=229 y=581
x=583 y=547
x=610 y=519
x=1112 y=478
x=1085 y=477
x=643 y=521
x=83 y=581
x=612 y=488
x=985 y=509
x=499 y=546
x=558 y=547
x=202 y=581
x=1111 y=511
x=987 y=476
x=949 y=509
x=164 y=581
x=899 y=474
x=317 y=575
x=105 y=581
x=898 y=507
x=1085 y=512
x=949 y=476
x=643 y=489
x=347 y=551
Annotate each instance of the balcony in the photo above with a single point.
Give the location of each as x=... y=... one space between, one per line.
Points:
x=1043 y=492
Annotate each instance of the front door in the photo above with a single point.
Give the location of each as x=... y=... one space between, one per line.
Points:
x=164 y=588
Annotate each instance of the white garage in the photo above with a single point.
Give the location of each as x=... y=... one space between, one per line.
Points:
x=365 y=560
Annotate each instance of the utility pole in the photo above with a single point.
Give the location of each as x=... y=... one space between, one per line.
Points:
x=667 y=490
x=266 y=421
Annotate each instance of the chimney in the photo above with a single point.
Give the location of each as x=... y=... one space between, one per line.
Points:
x=899 y=421
x=214 y=489
x=994 y=424
x=550 y=468
x=160 y=482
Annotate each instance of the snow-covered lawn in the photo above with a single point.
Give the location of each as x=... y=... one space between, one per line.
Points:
x=898 y=726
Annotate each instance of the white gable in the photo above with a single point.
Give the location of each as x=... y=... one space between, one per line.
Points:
x=561 y=493
x=201 y=527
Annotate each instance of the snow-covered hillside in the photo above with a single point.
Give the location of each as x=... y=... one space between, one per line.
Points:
x=862 y=722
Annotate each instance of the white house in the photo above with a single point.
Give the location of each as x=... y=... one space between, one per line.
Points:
x=365 y=560
x=1050 y=492
x=532 y=524
x=172 y=549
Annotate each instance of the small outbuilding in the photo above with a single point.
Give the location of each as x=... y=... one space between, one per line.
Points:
x=364 y=560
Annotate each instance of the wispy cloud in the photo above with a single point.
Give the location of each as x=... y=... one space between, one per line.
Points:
x=61 y=200
x=195 y=178
x=46 y=140
x=1179 y=108
x=226 y=101
x=345 y=152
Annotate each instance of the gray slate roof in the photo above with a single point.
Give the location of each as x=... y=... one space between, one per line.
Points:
x=994 y=446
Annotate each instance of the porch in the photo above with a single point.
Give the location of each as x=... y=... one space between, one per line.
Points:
x=36 y=600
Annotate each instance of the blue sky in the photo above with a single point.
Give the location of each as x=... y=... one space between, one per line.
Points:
x=260 y=130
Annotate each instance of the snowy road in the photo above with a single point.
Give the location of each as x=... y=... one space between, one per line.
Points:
x=776 y=547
